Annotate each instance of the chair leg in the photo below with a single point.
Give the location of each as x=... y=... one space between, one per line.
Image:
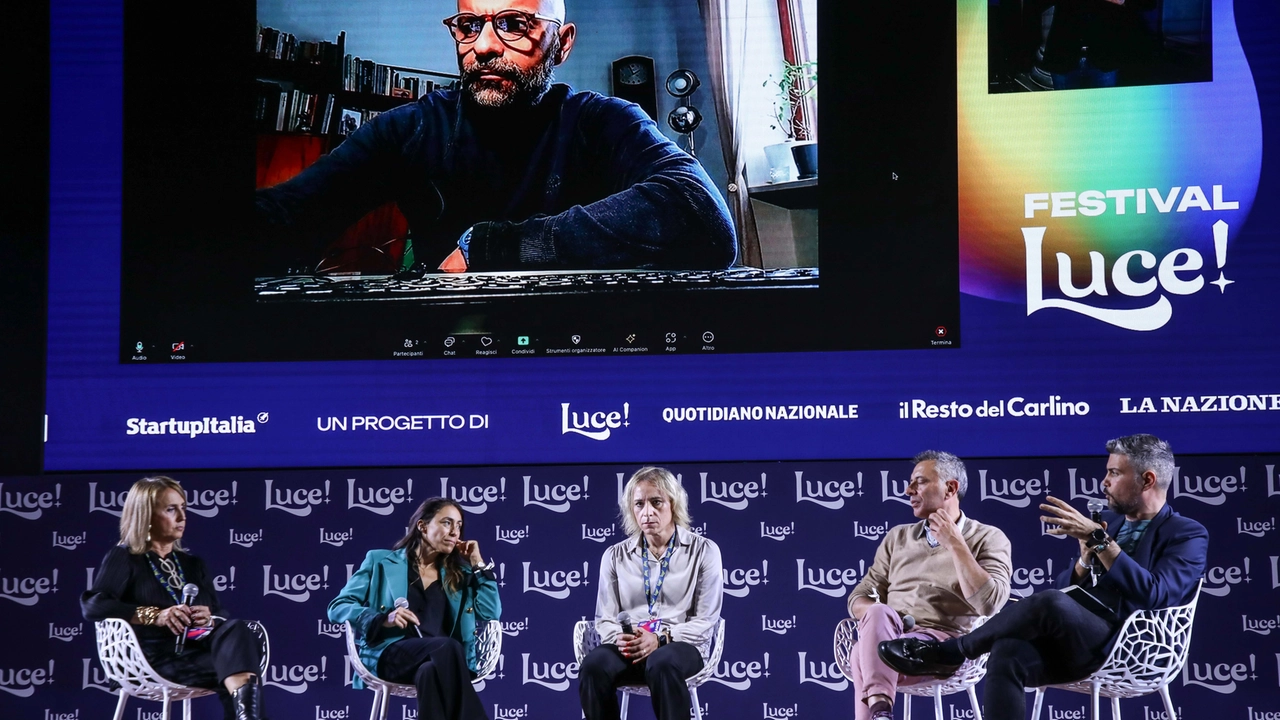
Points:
x=1115 y=708
x=1168 y=702
x=697 y=707
x=1039 y=704
x=937 y=702
x=382 y=706
x=186 y=709
x=165 y=708
x=1093 y=696
x=377 y=701
x=626 y=697
x=973 y=700
x=906 y=707
x=124 y=696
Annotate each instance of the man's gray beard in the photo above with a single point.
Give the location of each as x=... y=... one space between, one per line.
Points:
x=529 y=88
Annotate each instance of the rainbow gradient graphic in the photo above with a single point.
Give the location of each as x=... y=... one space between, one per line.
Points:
x=1160 y=136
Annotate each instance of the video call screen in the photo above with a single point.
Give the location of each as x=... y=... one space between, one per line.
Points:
x=301 y=185
x=281 y=200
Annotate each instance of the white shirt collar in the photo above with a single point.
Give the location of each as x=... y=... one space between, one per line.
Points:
x=924 y=524
x=679 y=537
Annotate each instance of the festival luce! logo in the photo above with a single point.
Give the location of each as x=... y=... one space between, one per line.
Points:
x=1177 y=273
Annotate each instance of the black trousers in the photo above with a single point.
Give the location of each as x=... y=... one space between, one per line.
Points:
x=230 y=649
x=1047 y=638
x=665 y=672
x=437 y=667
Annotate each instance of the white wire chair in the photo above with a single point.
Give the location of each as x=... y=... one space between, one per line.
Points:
x=963 y=680
x=1147 y=656
x=586 y=639
x=488 y=649
x=122 y=660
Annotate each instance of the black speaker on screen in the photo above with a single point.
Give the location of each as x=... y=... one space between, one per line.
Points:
x=682 y=83
x=685 y=118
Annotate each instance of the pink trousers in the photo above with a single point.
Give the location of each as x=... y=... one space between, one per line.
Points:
x=871 y=676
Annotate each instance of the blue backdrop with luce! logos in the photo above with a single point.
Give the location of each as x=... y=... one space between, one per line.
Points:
x=795 y=538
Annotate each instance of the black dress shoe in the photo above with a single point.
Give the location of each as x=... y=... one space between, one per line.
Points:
x=246 y=701
x=911 y=656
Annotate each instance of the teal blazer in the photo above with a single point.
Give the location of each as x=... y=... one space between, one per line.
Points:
x=371 y=593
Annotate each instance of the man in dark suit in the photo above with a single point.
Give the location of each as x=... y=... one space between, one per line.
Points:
x=1153 y=560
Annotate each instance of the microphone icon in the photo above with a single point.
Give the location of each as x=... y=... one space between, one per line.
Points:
x=189 y=592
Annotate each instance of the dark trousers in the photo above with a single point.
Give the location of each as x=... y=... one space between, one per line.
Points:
x=1047 y=638
x=437 y=667
x=230 y=649
x=665 y=672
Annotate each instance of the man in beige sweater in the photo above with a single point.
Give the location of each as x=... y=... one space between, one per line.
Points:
x=930 y=579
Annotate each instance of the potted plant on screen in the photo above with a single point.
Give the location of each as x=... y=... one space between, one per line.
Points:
x=793 y=116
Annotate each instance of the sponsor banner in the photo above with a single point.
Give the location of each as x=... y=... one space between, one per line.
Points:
x=990 y=417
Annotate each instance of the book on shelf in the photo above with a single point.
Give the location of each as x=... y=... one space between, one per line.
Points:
x=366 y=76
x=267 y=104
x=282 y=110
x=328 y=115
x=280 y=45
x=306 y=86
x=292 y=110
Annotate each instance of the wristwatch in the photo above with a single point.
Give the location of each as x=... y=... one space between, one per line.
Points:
x=664 y=637
x=1099 y=540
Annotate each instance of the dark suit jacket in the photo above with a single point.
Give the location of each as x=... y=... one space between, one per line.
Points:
x=1163 y=570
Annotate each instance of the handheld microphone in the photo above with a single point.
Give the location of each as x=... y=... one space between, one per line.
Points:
x=1095 y=514
x=908 y=622
x=189 y=592
x=403 y=604
x=625 y=621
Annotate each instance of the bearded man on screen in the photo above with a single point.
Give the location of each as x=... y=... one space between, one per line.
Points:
x=512 y=171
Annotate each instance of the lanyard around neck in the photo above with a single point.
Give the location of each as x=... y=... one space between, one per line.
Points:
x=663 y=566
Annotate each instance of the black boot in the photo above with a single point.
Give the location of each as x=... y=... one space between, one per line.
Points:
x=246 y=701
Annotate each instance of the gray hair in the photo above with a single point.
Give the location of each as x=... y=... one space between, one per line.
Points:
x=1146 y=452
x=664 y=481
x=949 y=467
x=139 y=504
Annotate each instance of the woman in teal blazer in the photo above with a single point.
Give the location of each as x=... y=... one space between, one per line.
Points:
x=415 y=609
